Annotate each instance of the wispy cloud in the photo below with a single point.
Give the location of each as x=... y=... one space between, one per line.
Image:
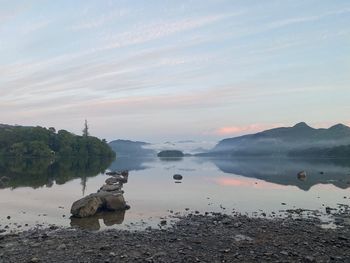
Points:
x=145 y=33
x=92 y=23
x=31 y=27
x=304 y=19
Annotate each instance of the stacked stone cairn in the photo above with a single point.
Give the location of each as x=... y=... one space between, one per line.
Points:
x=108 y=198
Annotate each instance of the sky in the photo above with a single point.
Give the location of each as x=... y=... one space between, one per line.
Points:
x=174 y=70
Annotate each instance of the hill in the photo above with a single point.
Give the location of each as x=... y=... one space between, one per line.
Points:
x=27 y=141
x=281 y=141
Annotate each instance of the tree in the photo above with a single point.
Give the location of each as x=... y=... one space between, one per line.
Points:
x=86 y=129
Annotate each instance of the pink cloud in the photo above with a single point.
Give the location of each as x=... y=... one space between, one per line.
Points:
x=252 y=128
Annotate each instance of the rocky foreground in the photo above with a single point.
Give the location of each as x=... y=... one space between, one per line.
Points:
x=195 y=238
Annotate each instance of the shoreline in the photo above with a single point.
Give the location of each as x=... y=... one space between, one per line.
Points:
x=194 y=238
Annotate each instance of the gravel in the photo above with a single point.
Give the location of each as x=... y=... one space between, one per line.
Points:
x=194 y=238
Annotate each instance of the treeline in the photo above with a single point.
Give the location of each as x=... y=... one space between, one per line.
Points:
x=21 y=141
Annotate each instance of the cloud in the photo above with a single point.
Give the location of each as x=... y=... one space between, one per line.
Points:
x=29 y=28
x=298 y=20
x=99 y=21
x=145 y=33
x=244 y=129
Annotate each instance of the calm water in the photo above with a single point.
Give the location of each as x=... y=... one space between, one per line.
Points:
x=38 y=192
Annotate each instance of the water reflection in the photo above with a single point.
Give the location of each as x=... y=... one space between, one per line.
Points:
x=246 y=185
x=171 y=159
x=93 y=222
x=285 y=171
x=45 y=172
x=130 y=164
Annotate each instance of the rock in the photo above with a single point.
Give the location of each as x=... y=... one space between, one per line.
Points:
x=113 y=173
x=177 y=177
x=93 y=203
x=125 y=173
x=302 y=175
x=163 y=222
x=114 y=202
x=240 y=238
x=309 y=259
x=110 y=188
x=86 y=206
x=111 y=181
x=61 y=247
x=34 y=260
x=122 y=179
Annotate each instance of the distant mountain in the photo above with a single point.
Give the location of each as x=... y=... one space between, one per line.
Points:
x=281 y=141
x=126 y=148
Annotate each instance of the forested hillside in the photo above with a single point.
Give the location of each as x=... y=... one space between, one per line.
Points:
x=21 y=141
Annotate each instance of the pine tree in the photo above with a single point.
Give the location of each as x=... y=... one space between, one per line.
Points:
x=86 y=129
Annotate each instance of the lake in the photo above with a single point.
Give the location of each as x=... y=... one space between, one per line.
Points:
x=40 y=193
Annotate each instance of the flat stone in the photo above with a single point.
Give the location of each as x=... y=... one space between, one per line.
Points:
x=110 y=188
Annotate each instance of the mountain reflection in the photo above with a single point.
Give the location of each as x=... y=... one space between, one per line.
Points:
x=284 y=171
x=43 y=172
x=130 y=164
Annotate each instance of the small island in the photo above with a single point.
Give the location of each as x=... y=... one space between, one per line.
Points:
x=171 y=154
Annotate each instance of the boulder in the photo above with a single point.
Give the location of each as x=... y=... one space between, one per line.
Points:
x=93 y=203
x=114 y=202
x=177 y=177
x=86 y=206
